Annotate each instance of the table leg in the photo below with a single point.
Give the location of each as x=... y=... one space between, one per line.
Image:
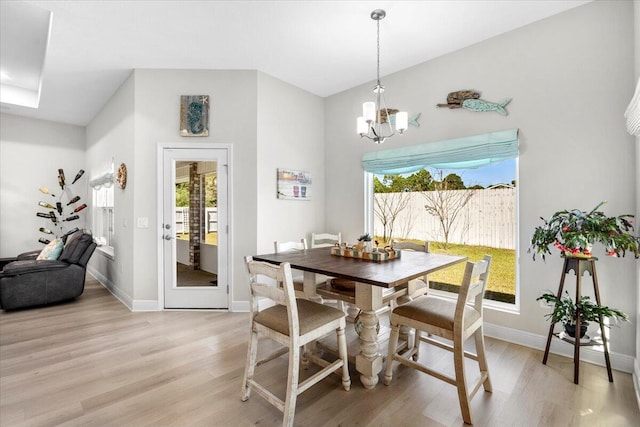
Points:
x=309 y=287
x=369 y=360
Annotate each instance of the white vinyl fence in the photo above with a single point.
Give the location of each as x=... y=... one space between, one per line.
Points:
x=210 y=222
x=488 y=219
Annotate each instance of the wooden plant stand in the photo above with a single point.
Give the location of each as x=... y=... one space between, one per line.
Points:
x=579 y=267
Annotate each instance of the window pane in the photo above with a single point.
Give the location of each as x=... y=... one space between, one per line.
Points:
x=464 y=212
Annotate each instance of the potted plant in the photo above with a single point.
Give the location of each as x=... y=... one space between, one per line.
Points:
x=573 y=232
x=565 y=312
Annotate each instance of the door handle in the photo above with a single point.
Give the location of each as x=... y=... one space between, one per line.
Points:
x=167 y=237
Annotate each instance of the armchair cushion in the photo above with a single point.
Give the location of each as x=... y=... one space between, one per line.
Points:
x=52 y=250
x=73 y=251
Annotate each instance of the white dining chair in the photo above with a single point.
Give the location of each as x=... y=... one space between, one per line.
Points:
x=293 y=323
x=301 y=245
x=454 y=321
x=324 y=240
x=415 y=287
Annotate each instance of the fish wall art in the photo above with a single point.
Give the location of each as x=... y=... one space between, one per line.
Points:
x=470 y=100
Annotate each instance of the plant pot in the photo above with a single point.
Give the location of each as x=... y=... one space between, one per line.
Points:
x=570 y=329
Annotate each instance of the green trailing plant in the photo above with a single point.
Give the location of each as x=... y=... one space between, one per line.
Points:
x=364 y=238
x=565 y=310
x=573 y=232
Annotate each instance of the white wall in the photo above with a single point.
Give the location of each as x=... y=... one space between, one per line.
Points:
x=31 y=151
x=110 y=141
x=636 y=15
x=290 y=136
x=232 y=121
x=570 y=77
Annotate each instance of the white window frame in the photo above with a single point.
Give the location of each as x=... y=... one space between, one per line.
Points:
x=103 y=218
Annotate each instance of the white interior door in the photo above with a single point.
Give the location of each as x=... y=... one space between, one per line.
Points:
x=194 y=227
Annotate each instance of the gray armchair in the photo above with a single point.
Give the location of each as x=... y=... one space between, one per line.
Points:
x=28 y=282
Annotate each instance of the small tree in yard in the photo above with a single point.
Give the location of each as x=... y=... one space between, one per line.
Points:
x=387 y=208
x=446 y=202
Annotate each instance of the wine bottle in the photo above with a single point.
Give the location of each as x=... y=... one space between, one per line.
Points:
x=79 y=208
x=45 y=230
x=43 y=215
x=70 y=232
x=45 y=190
x=53 y=217
x=46 y=205
x=43 y=240
x=78 y=175
x=72 y=201
x=59 y=207
x=61 y=178
x=71 y=218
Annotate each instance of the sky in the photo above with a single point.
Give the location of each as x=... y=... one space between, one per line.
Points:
x=499 y=173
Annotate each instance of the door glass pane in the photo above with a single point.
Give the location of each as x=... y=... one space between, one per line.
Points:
x=196 y=223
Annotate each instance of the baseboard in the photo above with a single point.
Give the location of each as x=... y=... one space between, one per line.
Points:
x=636 y=379
x=145 y=305
x=115 y=291
x=620 y=362
x=239 y=306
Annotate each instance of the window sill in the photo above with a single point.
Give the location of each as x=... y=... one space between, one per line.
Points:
x=488 y=304
x=106 y=251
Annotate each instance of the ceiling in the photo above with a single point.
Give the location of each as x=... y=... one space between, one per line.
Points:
x=324 y=47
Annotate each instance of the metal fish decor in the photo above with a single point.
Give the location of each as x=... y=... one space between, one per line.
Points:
x=469 y=100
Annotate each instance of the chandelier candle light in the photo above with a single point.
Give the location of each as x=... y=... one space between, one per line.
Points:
x=375 y=122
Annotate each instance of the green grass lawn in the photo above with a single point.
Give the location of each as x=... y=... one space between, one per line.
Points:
x=502 y=278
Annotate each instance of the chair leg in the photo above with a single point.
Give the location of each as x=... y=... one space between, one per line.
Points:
x=342 y=351
x=482 y=359
x=304 y=357
x=292 y=386
x=417 y=334
x=393 y=345
x=250 y=365
x=461 y=381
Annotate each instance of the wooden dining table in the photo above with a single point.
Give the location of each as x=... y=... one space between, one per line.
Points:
x=372 y=278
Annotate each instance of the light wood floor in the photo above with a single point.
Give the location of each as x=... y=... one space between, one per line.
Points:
x=94 y=363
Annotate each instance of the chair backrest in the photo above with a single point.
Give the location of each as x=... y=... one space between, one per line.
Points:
x=290 y=246
x=282 y=295
x=474 y=283
x=323 y=240
x=79 y=250
x=411 y=246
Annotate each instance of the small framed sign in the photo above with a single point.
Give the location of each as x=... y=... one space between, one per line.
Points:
x=294 y=185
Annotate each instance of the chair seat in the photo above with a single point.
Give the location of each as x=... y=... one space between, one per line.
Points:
x=435 y=311
x=311 y=315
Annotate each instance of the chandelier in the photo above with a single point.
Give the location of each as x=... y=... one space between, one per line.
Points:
x=376 y=120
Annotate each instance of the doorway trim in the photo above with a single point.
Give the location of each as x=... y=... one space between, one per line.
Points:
x=159 y=210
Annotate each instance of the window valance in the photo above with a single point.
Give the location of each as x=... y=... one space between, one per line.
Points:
x=460 y=153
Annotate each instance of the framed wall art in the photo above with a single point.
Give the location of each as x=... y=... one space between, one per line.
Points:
x=294 y=185
x=194 y=115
